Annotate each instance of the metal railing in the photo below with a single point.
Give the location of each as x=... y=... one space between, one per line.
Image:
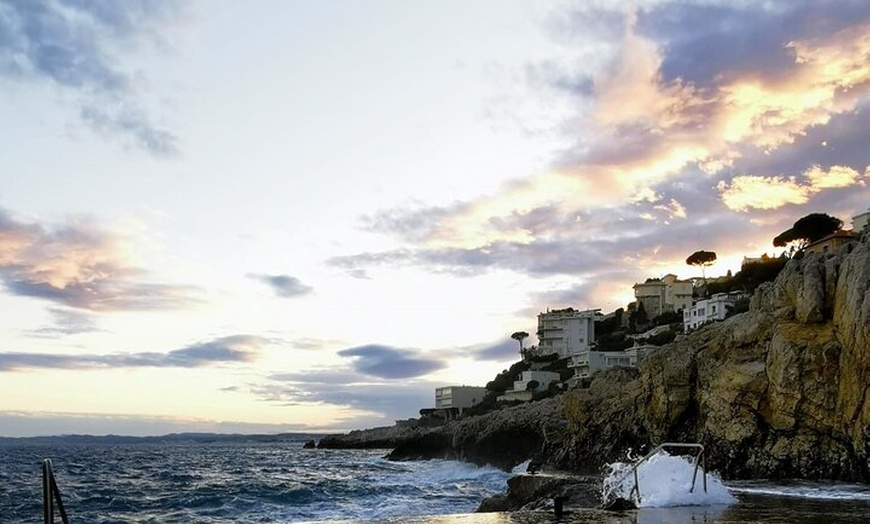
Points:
x=698 y=460
x=51 y=495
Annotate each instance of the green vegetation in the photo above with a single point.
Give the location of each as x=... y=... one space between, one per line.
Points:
x=807 y=230
x=750 y=276
x=519 y=336
x=703 y=259
x=505 y=380
x=613 y=342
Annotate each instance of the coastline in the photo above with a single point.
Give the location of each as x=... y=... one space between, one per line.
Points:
x=777 y=392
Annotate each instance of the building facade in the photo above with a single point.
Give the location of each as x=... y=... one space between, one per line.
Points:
x=522 y=391
x=831 y=242
x=588 y=363
x=458 y=396
x=861 y=223
x=565 y=331
x=662 y=295
x=710 y=309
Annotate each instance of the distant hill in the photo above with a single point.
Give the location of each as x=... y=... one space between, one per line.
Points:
x=173 y=438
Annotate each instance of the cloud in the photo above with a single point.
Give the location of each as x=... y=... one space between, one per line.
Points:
x=66 y=322
x=370 y=403
x=79 y=46
x=756 y=192
x=390 y=363
x=761 y=192
x=500 y=351
x=672 y=141
x=226 y=350
x=284 y=286
x=80 y=265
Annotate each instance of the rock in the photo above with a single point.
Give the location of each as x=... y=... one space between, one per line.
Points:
x=501 y=438
x=530 y=492
x=375 y=438
x=780 y=391
x=309 y=444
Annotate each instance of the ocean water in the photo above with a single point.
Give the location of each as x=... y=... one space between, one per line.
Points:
x=222 y=482
x=280 y=482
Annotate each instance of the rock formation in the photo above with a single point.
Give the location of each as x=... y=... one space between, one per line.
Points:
x=780 y=391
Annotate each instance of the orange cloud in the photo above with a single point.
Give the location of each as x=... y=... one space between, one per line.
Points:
x=761 y=192
x=836 y=176
x=645 y=129
x=757 y=192
x=79 y=264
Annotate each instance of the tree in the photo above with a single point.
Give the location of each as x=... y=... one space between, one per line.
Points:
x=703 y=259
x=519 y=336
x=807 y=230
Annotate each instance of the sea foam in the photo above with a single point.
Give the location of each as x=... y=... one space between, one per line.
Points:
x=665 y=481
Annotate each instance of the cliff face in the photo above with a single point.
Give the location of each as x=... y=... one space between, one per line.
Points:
x=503 y=438
x=780 y=391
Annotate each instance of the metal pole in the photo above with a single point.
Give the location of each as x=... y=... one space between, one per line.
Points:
x=57 y=499
x=695 y=473
x=636 y=485
x=47 y=510
x=704 y=458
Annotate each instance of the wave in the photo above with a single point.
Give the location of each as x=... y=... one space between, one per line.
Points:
x=665 y=480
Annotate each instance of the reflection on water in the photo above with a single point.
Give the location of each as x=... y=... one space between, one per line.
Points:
x=750 y=509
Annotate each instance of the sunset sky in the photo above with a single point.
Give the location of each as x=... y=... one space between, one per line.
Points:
x=274 y=216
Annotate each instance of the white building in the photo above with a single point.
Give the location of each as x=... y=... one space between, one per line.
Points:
x=565 y=331
x=588 y=363
x=521 y=389
x=458 y=396
x=861 y=223
x=664 y=294
x=710 y=309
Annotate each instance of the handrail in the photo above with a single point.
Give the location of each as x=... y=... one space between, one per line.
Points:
x=698 y=458
x=50 y=495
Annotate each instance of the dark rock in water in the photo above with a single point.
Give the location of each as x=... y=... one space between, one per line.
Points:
x=428 y=446
x=375 y=438
x=620 y=504
x=540 y=491
x=502 y=438
x=496 y=504
x=310 y=444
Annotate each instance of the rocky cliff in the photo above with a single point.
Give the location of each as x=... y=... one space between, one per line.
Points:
x=780 y=391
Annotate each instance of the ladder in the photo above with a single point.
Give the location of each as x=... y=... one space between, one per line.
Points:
x=698 y=460
x=50 y=495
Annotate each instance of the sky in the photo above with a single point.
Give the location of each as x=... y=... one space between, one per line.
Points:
x=275 y=216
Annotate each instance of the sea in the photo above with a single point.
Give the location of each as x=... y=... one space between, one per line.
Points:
x=280 y=481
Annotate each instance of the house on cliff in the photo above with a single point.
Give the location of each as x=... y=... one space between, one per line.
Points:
x=831 y=242
x=530 y=382
x=659 y=295
x=565 y=332
x=590 y=362
x=451 y=401
x=861 y=223
x=712 y=309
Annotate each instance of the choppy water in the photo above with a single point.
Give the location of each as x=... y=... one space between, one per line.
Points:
x=280 y=482
x=236 y=482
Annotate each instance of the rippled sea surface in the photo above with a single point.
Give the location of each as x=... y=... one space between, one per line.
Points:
x=235 y=482
x=280 y=482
